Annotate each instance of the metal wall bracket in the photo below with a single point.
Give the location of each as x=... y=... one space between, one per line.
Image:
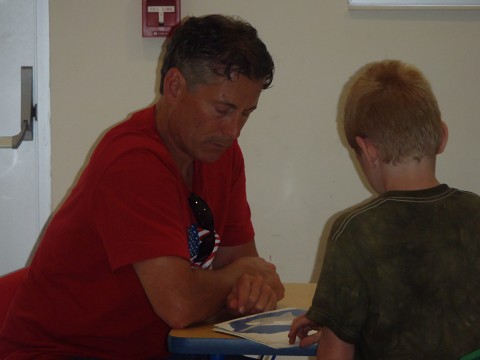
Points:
x=28 y=112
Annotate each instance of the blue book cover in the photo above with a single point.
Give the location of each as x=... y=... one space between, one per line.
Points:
x=269 y=328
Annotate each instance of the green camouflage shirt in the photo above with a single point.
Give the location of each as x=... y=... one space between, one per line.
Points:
x=401 y=276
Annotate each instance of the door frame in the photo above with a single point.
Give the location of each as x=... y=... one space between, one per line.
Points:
x=42 y=59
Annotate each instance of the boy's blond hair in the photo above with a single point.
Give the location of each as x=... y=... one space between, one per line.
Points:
x=393 y=105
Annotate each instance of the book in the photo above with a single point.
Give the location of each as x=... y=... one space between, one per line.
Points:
x=269 y=328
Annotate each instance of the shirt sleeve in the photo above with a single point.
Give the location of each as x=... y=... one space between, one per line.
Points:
x=139 y=210
x=341 y=297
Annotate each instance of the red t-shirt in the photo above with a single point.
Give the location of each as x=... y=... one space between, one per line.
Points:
x=81 y=296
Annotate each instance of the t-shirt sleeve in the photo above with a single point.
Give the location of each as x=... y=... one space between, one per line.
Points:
x=341 y=298
x=138 y=210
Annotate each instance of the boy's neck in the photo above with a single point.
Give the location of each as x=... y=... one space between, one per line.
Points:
x=412 y=175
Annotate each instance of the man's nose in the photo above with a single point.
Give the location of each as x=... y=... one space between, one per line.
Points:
x=233 y=126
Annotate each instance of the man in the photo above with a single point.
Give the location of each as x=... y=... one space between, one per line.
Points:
x=398 y=277
x=157 y=232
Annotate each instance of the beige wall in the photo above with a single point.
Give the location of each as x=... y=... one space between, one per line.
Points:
x=299 y=174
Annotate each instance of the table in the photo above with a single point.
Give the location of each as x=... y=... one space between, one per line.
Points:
x=201 y=339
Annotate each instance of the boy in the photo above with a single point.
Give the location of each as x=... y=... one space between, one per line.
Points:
x=400 y=277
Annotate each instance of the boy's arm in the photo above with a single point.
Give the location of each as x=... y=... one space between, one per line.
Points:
x=330 y=347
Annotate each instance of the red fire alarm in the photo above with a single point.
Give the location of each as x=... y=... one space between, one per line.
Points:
x=159 y=17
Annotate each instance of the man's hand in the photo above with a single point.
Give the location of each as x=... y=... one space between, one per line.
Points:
x=251 y=295
x=257 y=290
x=301 y=327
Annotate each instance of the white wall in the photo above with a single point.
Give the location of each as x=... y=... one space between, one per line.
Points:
x=299 y=173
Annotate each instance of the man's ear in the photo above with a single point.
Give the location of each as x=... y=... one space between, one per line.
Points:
x=368 y=150
x=444 y=140
x=173 y=84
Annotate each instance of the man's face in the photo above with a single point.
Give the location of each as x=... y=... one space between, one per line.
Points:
x=209 y=118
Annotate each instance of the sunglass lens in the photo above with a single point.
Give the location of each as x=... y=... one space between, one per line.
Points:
x=206 y=247
x=201 y=212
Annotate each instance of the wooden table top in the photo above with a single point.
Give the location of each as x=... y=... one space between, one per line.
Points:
x=297 y=295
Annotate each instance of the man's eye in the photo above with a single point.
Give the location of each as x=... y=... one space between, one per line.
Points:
x=222 y=111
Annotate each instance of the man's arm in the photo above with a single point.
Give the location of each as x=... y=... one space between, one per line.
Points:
x=227 y=254
x=181 y=295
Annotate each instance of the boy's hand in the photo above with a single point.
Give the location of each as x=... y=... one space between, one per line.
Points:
x=301 y=327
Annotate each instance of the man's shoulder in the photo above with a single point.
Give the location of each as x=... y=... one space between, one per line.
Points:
x=136 y=132
x=136 y=124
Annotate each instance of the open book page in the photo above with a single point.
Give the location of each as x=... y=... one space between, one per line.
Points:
x=269 y=328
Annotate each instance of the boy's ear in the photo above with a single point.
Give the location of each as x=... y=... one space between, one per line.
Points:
x=173 y=84
x=368 y=150
x=444 y=140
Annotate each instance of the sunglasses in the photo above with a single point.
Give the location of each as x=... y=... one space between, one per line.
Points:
x=204 y=218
